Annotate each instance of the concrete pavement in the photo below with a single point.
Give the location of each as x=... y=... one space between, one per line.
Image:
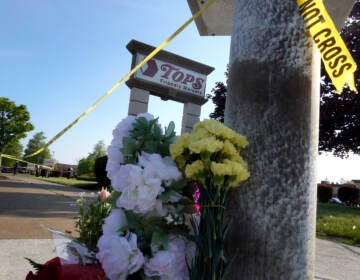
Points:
x=23 y=230
x=336 y=261
x=28 y=207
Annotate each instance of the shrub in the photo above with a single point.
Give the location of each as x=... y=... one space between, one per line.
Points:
x=324 y=192
x=350 y=194
x=100 y=172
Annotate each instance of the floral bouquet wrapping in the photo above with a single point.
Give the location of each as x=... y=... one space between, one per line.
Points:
x=76 y=258
x=145 y=236
x=209 y=156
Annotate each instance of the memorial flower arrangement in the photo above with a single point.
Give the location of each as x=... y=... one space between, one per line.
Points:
x=209 y=156
x=142 y=230
x=77 y=256
x=145 y=235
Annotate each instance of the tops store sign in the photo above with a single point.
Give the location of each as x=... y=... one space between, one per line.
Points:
x=168 y=75
x=171 y=75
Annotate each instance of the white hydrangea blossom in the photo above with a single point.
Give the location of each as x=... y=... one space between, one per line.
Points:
x=115 y=157
x=160 y=167
x=141 y=198
x=141 y=184
x=119 y=256
x=115 y=221
x=126 y=175
x=170 y=264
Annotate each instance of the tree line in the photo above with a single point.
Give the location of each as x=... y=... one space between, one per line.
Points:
x=15 y=125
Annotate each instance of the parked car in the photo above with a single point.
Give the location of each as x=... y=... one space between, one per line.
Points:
x=335 y=200
x=23 y=170
x=7 y=170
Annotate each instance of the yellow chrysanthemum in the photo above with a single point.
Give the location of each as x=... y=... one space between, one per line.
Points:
x=179 y=146
x=199 y=134
x=218 y=129
x=209 y=144
x=221 y=143
x=229 y=149
x=237 y=158
x=239 y=140
x=194 y=168
x=225 y=132
x=239 y=170
x=180 y=161
x=221 y=169
x=211 y=126
x=231 y=135
x=241 y=177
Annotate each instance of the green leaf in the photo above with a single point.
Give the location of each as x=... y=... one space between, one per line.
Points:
x=157 y=132
x=150 y=146
x=160 y=238
x=165 y=196
x=170 y=130
x=134 y=220
x=35 y=265
x=129 y=146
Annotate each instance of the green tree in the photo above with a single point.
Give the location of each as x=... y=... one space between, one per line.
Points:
x=86 y=165
x=340 y=113
x=218 y=97
x=13 y=148
x=14 y=123
x=34 y=144
x=99 y=150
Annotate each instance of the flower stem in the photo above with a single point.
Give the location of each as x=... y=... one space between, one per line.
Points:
x=210 y=261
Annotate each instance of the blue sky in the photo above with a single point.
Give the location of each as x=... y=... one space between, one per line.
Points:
x=58 y=57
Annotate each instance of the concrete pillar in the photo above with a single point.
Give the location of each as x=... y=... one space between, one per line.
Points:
x=191 y=115
x=139 y=100
x=273 y=99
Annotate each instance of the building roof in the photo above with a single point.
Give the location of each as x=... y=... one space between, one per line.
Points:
x=217 y=20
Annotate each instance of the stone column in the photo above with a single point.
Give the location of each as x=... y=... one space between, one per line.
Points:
x=139 y=100
x=191 y=115
x=273 y=99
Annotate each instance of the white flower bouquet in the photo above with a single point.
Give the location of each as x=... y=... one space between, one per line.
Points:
x=145 y=235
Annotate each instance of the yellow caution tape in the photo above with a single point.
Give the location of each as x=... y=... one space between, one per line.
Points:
x=18 y=159
x=137 y=67
x=11 y=157
x=338 y=61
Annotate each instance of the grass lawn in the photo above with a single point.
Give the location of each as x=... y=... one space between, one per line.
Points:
x=337 y=222
x=85 y=184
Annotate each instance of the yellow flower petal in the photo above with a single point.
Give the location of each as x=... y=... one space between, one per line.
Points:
x=179 y=146
x=191 y=170
x=209 y=144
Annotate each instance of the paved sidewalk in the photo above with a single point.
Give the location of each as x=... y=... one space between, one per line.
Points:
x=336 y=261
x=23 y=233
x=29 y=206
